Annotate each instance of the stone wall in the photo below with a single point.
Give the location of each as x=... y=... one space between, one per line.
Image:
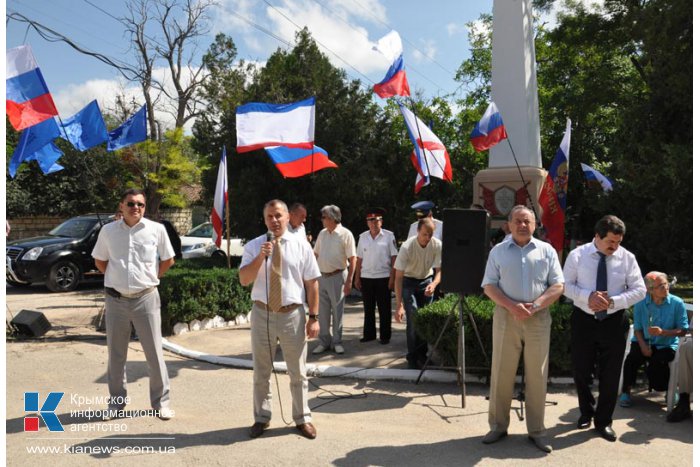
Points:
x=180 y=218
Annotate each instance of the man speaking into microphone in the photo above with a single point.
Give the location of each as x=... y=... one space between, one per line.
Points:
x=281 y=268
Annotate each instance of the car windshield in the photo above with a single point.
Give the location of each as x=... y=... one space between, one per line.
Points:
x=74 y=228
x=201 y=231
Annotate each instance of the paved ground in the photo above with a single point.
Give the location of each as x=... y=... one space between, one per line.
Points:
x=360 y=423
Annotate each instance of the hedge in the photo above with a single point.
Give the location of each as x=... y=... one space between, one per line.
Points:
x=430 y=320
x=201 y=288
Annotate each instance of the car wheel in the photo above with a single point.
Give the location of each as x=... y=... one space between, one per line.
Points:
x=63 y=277
x=218 y=254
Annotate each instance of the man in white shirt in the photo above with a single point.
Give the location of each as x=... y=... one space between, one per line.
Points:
x=424 y=209
x=281 y=268
x=336 y=255
x=417 y=276
x=603 y=279
x=297 y=217
x=376 y=253
x=133 y=253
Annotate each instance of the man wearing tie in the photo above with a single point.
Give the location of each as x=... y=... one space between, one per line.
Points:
x=281 y=267
x=603 y=279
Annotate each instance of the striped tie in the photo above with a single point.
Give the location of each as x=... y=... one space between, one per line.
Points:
x=275 y=298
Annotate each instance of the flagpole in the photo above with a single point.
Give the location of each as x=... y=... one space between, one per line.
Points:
x=228 y=224
x=529 y=198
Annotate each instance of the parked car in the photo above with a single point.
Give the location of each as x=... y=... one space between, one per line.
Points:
x=61 y=259
x=199 y=242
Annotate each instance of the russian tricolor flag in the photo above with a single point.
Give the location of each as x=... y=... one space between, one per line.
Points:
x=490 y=130
x=220 y=200
x=395 y=82
x=260 y=125
x=28 y=100
x=594 y=177
x=297 y=162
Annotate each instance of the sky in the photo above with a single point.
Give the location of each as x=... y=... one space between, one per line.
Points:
x=434 y=38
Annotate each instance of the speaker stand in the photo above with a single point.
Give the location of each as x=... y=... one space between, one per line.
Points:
x=461 y=364
x=520 y=396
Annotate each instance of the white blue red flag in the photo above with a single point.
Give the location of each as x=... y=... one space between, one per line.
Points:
x=220 y=200
x=395 y=82
x=553 y=195
x=28 y=100
x=596 y=178
x=430 y=157
x=297 y=162
x=488 y=131
x=260 y=125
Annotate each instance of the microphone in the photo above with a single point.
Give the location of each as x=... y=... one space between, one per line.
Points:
x=269 y=237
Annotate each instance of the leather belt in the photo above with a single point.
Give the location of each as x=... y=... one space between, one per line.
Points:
x=284 y=309
x=117 y=294
x=333 y=273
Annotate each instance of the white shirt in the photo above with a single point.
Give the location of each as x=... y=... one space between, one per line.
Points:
x=418 y=262
x=376 y=254
x=298 y=265
x=625 y=284
x=334 y=248
x=133 y=254
x=299 y=231
x=413 y=230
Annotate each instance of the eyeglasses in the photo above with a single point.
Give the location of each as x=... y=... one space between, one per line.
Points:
x=662 y=286
x=131 y=204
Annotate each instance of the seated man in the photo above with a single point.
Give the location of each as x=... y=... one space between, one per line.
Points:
x=659 y=320
x=685 y=382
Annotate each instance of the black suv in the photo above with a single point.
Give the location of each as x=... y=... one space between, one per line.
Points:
x=61 y=259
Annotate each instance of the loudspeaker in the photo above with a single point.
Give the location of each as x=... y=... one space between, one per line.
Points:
x=31 y=323
x=465 y=247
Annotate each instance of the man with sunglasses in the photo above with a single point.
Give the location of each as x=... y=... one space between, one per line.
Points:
x=133 y=253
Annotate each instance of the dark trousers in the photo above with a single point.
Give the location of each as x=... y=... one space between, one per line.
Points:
x=598 y=344
x=375 y=292
x=658 y=370
x=413 y=299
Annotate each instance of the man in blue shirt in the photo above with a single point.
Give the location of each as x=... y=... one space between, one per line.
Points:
x=658 y=321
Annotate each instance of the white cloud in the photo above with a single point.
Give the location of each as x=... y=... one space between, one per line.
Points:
x=427 y=51
x=550 y=18
x=453 y=28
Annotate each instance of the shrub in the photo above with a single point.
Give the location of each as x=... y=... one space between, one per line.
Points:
x=431 y=319
x=193 y=289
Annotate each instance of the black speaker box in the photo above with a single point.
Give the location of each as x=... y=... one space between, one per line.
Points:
x=31 y=323
x=465 y=247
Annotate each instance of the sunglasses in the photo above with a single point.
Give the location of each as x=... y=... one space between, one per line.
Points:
x=131 y=204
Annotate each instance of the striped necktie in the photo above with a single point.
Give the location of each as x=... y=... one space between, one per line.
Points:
x=275 y=299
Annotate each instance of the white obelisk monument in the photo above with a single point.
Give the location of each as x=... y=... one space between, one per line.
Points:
x=514 y=90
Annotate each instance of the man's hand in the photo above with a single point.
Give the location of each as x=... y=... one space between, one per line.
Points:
x=398 y=316
x=644 y=347
x=430 y=289
x=655 y=331
x=347 y=288
x=598 y=301
x=312 y=328
x=520 y=311
x=358 y=283
x=266 y=249
x=391 y=283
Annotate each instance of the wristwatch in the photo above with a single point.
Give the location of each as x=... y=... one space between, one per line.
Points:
x=536 y=306
x=314 y=317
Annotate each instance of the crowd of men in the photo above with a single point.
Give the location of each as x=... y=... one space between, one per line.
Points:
x=291 y=279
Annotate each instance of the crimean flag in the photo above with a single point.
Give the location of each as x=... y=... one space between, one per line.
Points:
x=553 y=195
x=297 y=162
x=28 y=100
x=86 y=128
x=220 y=199
x=596 y=178
x=395 y=82
x=430 y=157
x=260 y=125
x=490 y=130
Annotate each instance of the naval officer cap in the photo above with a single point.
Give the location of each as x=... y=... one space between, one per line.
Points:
x=423 y=208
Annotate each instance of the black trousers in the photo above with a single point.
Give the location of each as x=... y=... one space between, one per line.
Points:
x=658 y=370
x=598 y=344
x=375 y=292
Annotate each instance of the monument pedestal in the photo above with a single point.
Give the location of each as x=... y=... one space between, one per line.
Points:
x=498 y=189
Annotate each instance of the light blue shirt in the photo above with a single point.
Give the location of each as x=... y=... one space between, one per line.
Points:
x=523 y=273
x=669 y=315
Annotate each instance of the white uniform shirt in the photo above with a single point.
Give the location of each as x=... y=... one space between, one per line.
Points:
x=298 y=265
x=133 y=254
x=334 y=248
x=413 y=230
x=625 y=283
x=376 y=254
x=299 y=231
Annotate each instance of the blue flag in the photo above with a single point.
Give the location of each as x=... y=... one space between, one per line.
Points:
x=47 y=157
x=130 y=132
x=86 y=128
x=32 y=140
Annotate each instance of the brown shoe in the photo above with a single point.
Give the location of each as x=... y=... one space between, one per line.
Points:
x=307 y=430
x=257 y=429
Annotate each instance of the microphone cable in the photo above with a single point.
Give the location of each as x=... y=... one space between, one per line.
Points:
x=269 y=238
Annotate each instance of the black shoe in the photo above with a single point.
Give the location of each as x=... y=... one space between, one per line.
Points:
x=257 y=429
x=607 y=433
x=681 y=411
x=584 y=421
x=367 y=339
x=384 y=341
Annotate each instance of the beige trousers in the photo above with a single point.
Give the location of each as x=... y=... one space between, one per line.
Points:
x=511 y=338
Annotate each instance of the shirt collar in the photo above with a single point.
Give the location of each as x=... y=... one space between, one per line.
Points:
x=511 y=241
x=648 y=300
